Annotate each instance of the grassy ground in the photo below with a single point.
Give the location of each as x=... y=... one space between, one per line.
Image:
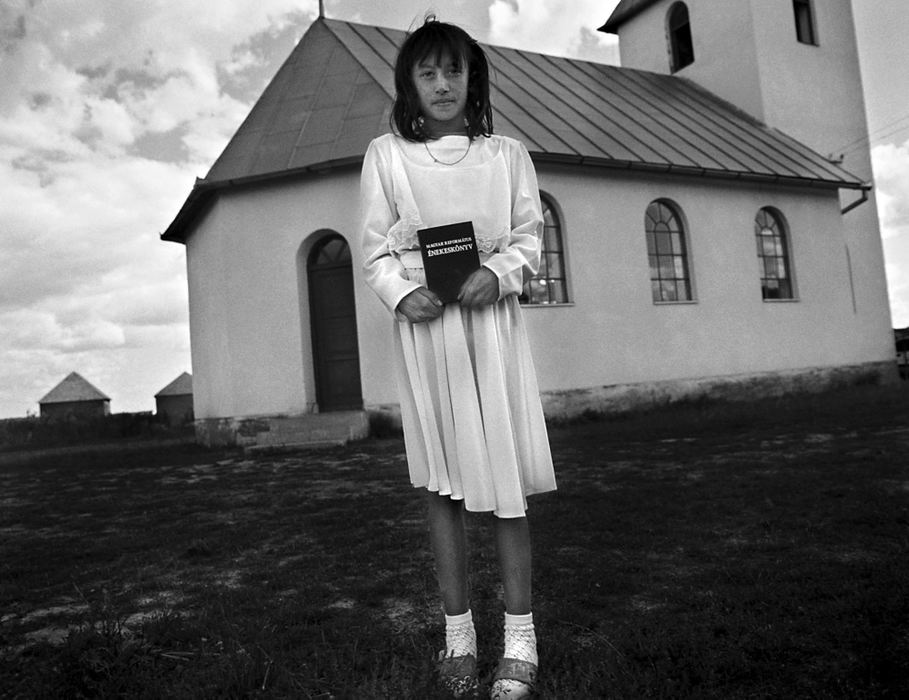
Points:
x=709 y=551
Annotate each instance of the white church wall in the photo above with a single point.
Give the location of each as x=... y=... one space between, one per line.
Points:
x=814 y=93
x=746 y=52
x=209 y=324
x=615 y=334
x=252 y=354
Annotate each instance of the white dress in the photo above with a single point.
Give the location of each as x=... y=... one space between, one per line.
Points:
x=470 y=403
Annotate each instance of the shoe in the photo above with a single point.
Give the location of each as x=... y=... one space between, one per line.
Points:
x=523 y=672
x=458 y=675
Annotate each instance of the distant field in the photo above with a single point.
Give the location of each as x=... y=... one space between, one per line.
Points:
x=751 y=550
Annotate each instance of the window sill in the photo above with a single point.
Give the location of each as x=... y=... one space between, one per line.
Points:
x=556 y=305
x=680 y=302
x=780 y=301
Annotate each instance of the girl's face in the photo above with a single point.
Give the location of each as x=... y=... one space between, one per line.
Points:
x=442 y=91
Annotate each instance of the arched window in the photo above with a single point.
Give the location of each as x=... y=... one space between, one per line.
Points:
x=333 y=325
x=331 y=250
x=681 y=45
x=550 y=285
x=773 y=255
x=667 y=252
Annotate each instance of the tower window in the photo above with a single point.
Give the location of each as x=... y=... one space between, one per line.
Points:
x=682 y=48
x=804 y=22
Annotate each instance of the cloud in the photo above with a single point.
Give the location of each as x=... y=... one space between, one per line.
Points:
x=517 y=23
x=42 y=330
x=69 y=224
x=890 y=162
x=897 y=251
x=108 y=112
x=105 y=73
x=891 y=175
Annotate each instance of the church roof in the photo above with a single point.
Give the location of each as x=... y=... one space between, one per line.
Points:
x=72 y=389
x=333 y=95
x=625 y=10
x=181 y=386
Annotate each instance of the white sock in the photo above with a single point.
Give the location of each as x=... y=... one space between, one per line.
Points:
x=460 y=636
x=520 y=643
x=520 y=638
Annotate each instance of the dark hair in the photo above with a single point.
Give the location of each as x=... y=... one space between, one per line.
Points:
x=436 y=38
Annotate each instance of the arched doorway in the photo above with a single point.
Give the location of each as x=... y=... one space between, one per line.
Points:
x=333 y=322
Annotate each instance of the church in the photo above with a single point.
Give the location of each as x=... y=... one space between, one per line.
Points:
x=704 y=234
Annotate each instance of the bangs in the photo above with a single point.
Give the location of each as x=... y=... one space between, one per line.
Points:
x=431 y=42
x=435 y=42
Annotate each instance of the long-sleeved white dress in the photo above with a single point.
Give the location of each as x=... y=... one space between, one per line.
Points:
x=470 y=403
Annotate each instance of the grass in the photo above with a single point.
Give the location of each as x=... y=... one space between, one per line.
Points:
x=754 y=550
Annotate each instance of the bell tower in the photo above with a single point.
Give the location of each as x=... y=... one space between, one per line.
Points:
x=792 y=64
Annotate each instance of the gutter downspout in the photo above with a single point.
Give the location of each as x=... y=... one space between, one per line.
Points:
x=861 y=200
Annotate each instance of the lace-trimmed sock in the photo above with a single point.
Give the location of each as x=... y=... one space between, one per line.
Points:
x=520 y=644
x=458 y=661
x=460 y=636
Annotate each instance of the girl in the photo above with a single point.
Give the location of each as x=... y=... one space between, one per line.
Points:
x=473 y=424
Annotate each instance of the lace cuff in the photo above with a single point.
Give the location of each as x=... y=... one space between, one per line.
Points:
x=403 y=234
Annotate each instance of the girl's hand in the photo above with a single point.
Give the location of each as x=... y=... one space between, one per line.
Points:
x=480 y=289
x=420 y=305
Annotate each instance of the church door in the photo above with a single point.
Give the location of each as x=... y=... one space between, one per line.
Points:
x=334 y=325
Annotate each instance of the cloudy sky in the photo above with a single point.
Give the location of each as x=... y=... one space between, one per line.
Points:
x=110 y=108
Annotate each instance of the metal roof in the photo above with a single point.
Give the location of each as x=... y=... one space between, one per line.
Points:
x=73 y=388
x=181 y=386
x=333 y=95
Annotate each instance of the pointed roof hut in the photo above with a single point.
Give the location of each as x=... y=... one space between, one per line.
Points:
x=181 y=386
x=74 y=395
x=174 y=403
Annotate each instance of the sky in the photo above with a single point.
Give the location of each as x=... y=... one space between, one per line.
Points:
x=109 y=110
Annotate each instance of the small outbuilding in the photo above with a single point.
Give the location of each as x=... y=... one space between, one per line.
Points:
x=902 y=350
x=74 y=397
x=174 y=403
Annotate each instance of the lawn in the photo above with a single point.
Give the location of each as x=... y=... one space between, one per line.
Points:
x=736 y=550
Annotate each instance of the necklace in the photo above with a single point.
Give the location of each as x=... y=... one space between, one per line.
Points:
x=454 y=162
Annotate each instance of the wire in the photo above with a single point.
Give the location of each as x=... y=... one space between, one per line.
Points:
x=876 y=136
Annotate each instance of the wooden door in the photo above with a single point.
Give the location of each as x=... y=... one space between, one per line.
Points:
x=334 y=326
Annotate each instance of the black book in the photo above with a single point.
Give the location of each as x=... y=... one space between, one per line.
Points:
x=450 y=256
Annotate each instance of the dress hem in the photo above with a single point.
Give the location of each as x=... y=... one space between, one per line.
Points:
x=454 y=497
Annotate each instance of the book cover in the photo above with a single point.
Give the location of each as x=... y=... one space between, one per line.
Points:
x=449 y=257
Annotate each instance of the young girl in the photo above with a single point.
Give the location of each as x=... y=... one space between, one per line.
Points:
x=470 y=407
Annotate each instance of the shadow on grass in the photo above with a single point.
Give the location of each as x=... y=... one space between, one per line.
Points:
x=709 y=551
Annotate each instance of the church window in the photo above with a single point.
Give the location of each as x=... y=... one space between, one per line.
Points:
x=681 y=45
x=804 y=21
x=550 y=285
x=667 y=252
x=773 y=255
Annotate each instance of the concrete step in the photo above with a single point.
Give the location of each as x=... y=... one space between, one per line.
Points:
x=310 y=430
